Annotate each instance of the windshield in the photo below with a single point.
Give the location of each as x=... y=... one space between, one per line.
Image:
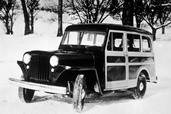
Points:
x=86 y=38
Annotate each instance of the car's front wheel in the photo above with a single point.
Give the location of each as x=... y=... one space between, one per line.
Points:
x=25 y=95
x=140 y=89
x=79 y=93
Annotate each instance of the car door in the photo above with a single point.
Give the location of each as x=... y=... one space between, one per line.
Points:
x=135 y=57
x=116 y=68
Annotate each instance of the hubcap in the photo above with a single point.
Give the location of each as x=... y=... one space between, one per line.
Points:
x=141 y=87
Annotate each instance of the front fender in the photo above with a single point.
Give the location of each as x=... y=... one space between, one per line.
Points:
x=56 y=72
x=68 y=72
x=23 y=69
x=63 y=74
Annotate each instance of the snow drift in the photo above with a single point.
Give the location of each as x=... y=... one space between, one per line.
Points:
x=156 y=101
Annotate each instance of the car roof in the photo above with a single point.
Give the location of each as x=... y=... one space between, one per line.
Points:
x=105 y=27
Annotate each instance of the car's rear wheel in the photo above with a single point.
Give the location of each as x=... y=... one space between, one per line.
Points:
x=140 y=89
x=25 y=95
x=79 y=93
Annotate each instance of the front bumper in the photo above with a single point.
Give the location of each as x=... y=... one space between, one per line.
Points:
x=38 y=87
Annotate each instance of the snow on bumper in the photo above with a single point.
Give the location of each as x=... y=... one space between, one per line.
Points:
x=38 y=87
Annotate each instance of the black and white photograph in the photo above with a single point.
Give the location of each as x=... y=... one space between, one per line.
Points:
x=85 y=56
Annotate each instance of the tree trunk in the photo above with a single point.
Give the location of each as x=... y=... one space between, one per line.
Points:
x=7 y=24
x=60 y=18
x=138 y=21
x=154 y=33
x=127 y=16
x=11 y=26
x=26 y=18
x=138 y=25
x=163 y=30
x=32 y=23
x=6 y=21
x=138 y=9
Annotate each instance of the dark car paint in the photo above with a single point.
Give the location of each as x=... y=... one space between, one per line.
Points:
x=81 y=59
x=105 y=27
x=69 y=58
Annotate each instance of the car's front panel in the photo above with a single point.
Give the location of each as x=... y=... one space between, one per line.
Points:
x=40 y=68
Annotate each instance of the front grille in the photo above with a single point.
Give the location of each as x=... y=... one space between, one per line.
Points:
x=39 y=68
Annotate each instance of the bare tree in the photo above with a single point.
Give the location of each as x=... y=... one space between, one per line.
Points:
x=26 y=18
x=52 y=6
x=8 y=13
x=92 y=11
x=138 y=10
x=164 y=12
x=151 y=13
x=32 y=6
x=60 y=18
x=128 y=9
x=56 y=7
x=29 y=10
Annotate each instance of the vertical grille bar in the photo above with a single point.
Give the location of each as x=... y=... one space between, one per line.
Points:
x=39 y=68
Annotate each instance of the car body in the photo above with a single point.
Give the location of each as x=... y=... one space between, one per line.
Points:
x=107 y=56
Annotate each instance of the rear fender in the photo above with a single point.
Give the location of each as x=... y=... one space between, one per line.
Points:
x=145 y=71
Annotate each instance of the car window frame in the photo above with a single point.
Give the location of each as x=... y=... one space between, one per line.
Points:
x=150 y=41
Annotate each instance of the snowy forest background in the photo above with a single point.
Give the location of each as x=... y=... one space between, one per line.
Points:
x=155 y=13
x=42 y=30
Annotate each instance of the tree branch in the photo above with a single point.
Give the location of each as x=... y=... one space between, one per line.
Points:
x=103 y=18
x=164 y=25
x=76 y=10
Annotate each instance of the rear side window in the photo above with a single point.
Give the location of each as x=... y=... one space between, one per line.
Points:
x=133 y=43
x=146 y=44
x=115 y=42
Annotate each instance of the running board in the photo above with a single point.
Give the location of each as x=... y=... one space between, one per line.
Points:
x=38 y=87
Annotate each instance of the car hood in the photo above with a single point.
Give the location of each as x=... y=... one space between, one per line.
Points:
x=69 y=58
x=72 y=58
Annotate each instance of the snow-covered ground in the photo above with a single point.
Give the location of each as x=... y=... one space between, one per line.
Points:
x=156 y=101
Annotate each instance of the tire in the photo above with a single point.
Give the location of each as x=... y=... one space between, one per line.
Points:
x=25 y=95
x=79 y=93
x=139 y=91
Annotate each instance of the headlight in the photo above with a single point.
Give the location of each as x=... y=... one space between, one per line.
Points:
x=26 y=58
x=54 y=61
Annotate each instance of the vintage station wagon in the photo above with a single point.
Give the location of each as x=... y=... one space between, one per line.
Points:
x=106 y=56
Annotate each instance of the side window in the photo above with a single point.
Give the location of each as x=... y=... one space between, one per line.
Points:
x=115 y=42
x=133 y=43
x=146 y=44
